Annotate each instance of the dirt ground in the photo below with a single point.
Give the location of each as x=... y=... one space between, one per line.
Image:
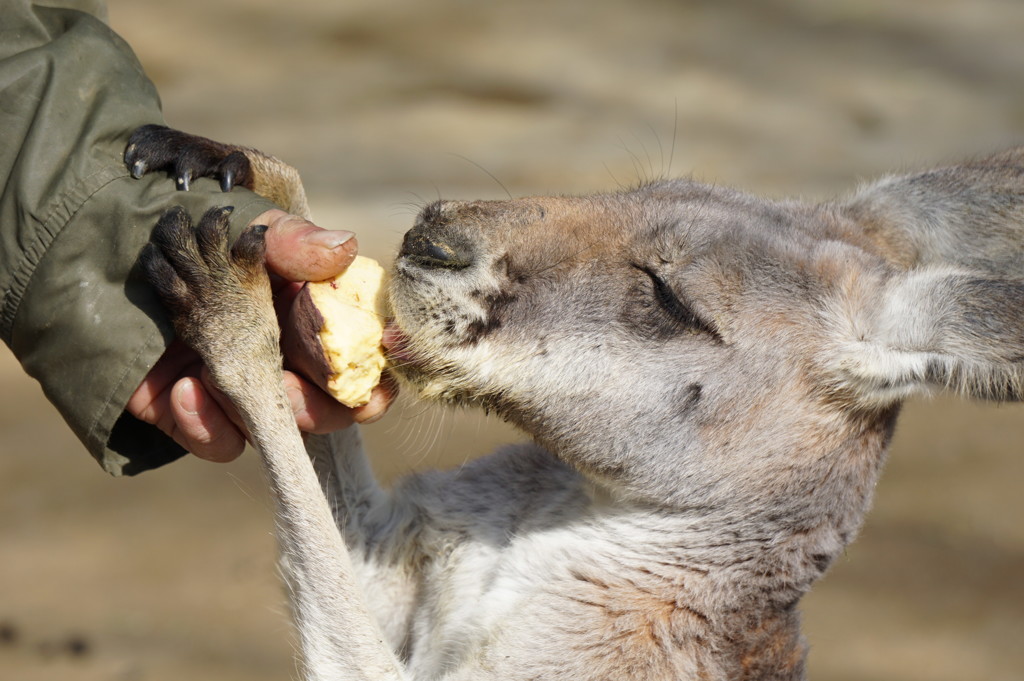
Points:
x=385 y=104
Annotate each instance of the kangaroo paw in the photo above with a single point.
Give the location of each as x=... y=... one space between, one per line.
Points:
x=186 y=157
x=218 y=296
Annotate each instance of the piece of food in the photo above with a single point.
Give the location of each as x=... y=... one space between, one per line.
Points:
x=334 y=335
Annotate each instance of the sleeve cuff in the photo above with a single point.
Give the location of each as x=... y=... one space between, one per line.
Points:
x=89 y=328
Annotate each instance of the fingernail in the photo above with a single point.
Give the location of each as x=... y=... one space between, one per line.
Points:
x=372 y=419
x=190 y=397
x=328 y=238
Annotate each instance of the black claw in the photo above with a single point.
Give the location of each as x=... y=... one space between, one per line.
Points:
x=227 y=180
x=249 y=250
x=138 y=169
x=184 y=181
x=234 y=170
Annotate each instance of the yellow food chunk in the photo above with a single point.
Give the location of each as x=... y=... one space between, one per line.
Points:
x=354 y=310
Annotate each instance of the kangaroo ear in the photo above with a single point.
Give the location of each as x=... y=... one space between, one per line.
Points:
x=947 y=310
x=926 y=329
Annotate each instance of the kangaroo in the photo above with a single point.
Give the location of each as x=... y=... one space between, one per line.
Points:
x=710 y=381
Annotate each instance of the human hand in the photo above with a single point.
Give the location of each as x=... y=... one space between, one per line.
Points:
x=177 y=395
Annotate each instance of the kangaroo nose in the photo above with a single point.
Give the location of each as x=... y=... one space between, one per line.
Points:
x=435 y=251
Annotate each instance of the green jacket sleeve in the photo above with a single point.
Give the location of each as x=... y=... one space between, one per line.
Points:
x=72 y=305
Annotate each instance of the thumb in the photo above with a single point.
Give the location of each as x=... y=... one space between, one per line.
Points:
x=298 y=250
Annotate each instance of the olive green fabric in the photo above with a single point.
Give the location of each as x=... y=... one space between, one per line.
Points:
x=72 y=222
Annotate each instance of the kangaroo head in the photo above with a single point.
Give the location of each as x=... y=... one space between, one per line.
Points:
x=694 y=346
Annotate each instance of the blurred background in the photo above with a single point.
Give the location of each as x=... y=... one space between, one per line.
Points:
x=384 y=105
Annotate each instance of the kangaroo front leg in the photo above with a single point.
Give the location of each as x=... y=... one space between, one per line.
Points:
x=220 y=303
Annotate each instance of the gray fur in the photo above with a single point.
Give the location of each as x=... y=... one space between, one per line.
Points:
x=711 y=381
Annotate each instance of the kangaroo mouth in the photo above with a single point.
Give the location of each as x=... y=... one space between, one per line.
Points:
x=397 y=347
x=431 y=377
x=403 y=359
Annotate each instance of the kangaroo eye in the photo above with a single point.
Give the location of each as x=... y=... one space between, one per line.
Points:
x=670 y=303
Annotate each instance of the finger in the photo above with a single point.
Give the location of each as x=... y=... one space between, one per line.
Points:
x=201 y=425
x=177 y=361
x=315 y=411
x=149 y=401
x=298 y=250
x=284 y=296
x=383 y=395
x=153 y=407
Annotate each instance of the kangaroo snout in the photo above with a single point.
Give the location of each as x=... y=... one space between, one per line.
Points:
x=437 y=242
